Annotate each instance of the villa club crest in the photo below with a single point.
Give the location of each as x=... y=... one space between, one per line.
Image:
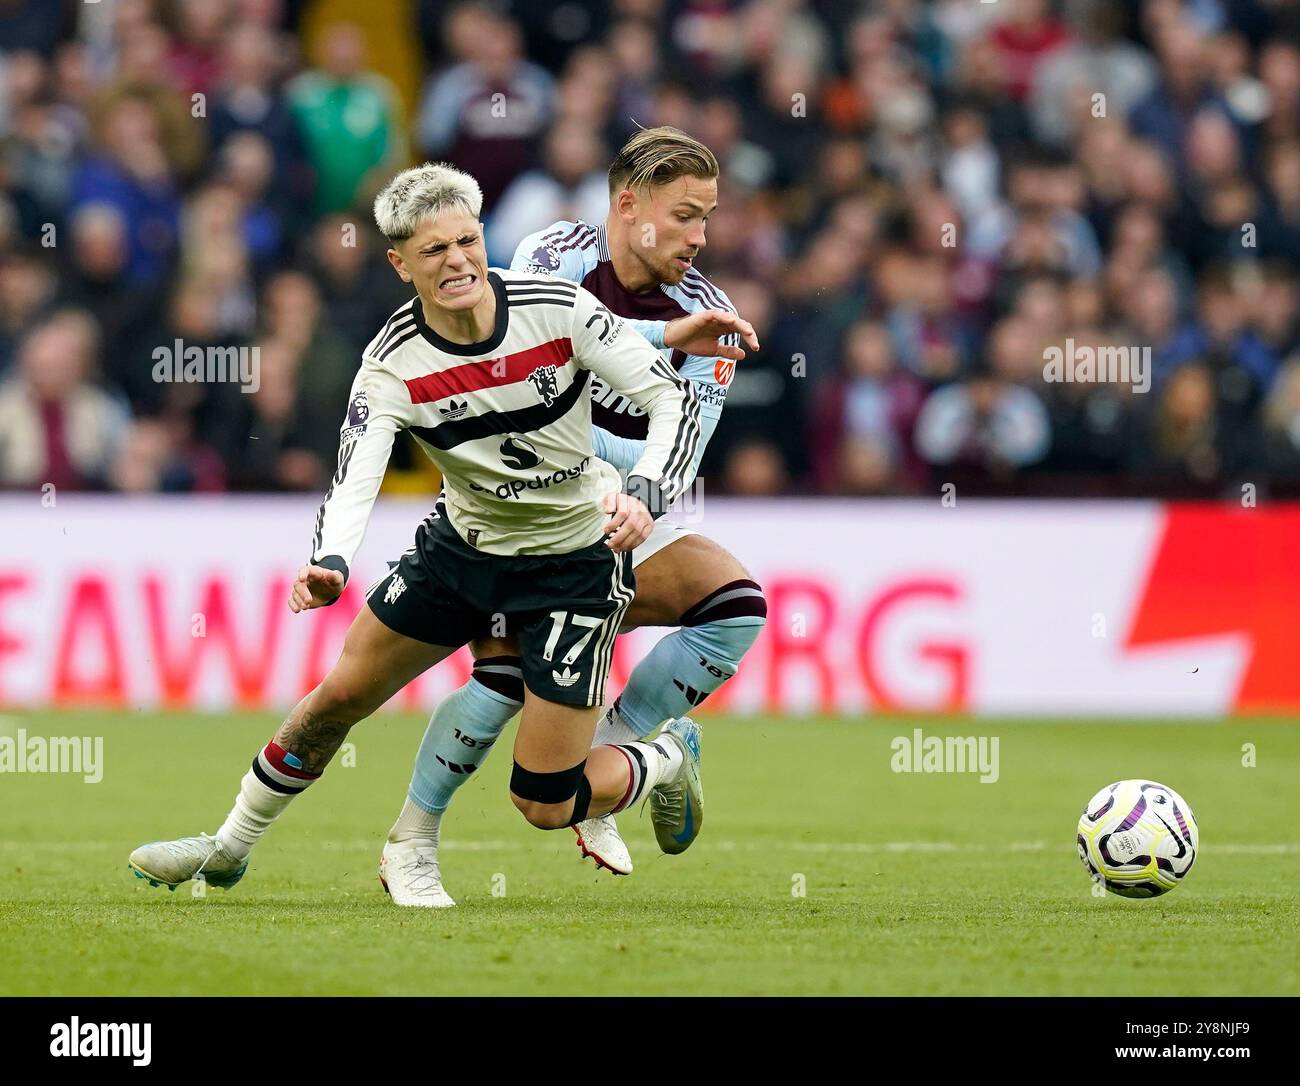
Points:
x=543 y=379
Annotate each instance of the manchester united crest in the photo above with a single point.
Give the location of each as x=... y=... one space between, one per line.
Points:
x=543 y=379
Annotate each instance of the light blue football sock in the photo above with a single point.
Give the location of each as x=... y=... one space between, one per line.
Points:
x=460 y=733
x=687 y=665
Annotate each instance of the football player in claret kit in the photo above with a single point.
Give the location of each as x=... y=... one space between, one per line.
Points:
x=488 y=371
x=663 y=186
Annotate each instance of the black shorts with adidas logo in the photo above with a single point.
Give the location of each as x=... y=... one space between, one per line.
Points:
x=563 y=609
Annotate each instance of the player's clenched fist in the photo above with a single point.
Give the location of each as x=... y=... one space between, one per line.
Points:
x=629 y=523
x=315 y=587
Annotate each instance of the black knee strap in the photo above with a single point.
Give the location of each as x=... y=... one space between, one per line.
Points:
x=581 y=802
x=735 y=599
x=549 y=787
x=503 y=674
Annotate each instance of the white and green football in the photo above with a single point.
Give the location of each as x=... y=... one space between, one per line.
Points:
x=1138 y=838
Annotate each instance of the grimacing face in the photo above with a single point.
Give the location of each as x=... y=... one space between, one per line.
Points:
x=678 y=212
x=445 y=259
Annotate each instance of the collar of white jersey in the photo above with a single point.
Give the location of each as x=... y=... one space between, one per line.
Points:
x=483 y=346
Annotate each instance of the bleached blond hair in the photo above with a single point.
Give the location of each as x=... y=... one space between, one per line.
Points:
x=423 y=192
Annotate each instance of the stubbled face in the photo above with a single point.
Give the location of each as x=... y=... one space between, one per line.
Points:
x=445 y=260
x=677 y=212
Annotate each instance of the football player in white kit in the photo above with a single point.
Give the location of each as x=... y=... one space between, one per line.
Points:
x=488 y=371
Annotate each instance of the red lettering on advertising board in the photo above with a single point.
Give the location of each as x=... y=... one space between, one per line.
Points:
x=89 y=622
x=249 y=671
x=10 y=643
x=800 y=618
x=954 y=657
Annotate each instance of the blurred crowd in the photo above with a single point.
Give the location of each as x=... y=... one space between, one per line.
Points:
x=918 y=201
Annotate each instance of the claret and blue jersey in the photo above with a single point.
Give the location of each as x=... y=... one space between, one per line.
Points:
x=579 y=252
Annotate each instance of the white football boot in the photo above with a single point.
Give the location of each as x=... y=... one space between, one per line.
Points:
x=677 y=806
x=170 y=863
x=599 y=838
x=408 y=871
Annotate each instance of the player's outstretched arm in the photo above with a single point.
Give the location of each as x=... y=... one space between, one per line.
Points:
x=568 y=250
x=378 y=408
x=702 y=334
x=711 y=332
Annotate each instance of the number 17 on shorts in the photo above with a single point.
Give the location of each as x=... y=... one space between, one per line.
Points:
x=566 y=654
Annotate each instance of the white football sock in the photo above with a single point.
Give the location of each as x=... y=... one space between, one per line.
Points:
x=256 y=807
x=612 y=729
x=652 y=764
x=667 y=756
x=415 y=824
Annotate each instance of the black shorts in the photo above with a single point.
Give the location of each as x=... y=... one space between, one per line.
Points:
x=564 y=609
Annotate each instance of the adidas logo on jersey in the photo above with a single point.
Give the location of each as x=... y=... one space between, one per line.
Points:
x=454 y=409
x=566 y=678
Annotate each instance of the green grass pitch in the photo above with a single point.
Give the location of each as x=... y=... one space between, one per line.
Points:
x=912 y=884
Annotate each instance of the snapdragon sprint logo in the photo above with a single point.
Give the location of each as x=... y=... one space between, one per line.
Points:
x=83 y=754
x=920 y=753
x=177 y=363
x=1085 y=364
x=515 y=487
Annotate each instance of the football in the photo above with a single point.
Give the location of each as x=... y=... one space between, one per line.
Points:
x=1138 y=838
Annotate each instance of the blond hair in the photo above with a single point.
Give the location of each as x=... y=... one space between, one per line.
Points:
x=424 y=192
x=656 y=156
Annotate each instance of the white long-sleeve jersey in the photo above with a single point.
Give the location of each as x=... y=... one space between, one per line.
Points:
x=507 y=421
